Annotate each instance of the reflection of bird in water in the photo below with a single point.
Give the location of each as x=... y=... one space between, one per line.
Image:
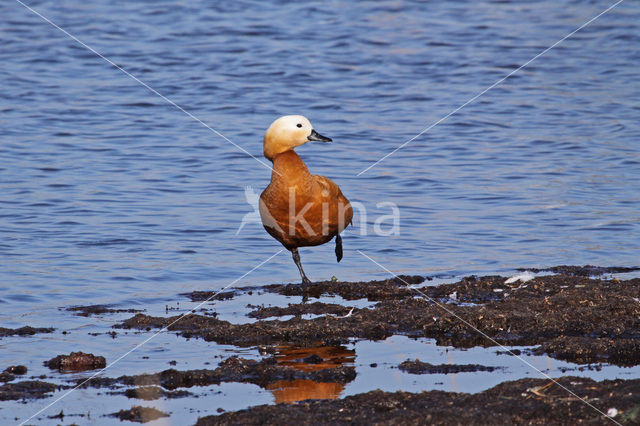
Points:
x=298 y=390
x=297 y=208
x=318 y=358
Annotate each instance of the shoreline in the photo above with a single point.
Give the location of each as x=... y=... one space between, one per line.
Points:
x=525 y=401
x=305 y=364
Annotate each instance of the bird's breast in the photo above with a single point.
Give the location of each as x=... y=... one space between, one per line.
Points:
x=300 y=209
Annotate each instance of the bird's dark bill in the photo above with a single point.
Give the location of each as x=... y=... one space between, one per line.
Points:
x=315 y=136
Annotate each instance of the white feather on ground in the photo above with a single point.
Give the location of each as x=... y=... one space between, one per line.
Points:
x=348 y=315
x=343 y=316
x=524 y=277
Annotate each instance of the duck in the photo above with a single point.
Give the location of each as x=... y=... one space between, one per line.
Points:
x=300 y=209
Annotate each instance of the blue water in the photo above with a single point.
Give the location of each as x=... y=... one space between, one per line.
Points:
x=110 y=194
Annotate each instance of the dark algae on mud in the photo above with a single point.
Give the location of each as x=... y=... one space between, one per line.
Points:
x=233 y=369
x=23 y=331
x=306 y=363
x=139 y=414
x=26 y=390
x=570 y=317
x=419 y=367
x=525 y=401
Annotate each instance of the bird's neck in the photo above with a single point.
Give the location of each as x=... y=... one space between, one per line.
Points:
x=288 y=167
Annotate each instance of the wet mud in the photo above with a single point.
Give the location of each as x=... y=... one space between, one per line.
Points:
x=586 y=350
x=234 y=369
x=23 y=331
x=577 y=315
x=525 y=401
x=139 y=414
x=316 y=308
x=85 y=311
x=393 y=288
x=199 y=296
x=370 y=290
x=419 y=367
x=28 y=389
x=569 y=317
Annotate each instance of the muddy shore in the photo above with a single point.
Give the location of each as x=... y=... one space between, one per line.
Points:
x=233 y=369
x=569 y=317
x=306 y=363
x=526 y=401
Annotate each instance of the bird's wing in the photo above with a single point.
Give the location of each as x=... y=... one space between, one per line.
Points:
x=334 y=192
x=329 y=185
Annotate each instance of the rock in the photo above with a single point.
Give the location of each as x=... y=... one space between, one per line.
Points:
x=76 y=361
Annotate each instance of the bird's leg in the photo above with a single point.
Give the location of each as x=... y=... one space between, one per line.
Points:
x=338 y=248
x=296 y=258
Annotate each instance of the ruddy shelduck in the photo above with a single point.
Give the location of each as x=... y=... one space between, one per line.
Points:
x=297 y=208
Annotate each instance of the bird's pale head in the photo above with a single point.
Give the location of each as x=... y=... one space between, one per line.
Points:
x=288 y=132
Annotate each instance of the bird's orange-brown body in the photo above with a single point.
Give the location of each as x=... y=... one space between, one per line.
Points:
x=297 y=208
x=300 y=209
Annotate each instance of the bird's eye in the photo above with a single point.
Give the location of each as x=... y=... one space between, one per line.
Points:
x=299 y=125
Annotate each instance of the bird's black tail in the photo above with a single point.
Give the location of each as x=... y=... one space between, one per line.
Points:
x=338 y=248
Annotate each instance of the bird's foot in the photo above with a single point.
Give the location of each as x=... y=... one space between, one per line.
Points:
x=306 y=284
